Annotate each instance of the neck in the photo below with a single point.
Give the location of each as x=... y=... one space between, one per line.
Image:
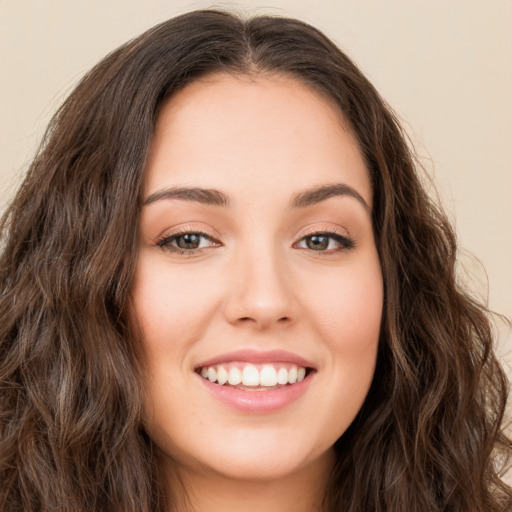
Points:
x=302 y=491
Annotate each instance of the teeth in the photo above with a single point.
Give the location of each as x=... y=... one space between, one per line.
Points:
x=282 y=376
x=269 y=375
x=212 y=374
x=234 y=376
x=292 y=375
x=222 y=375
x=251 y=376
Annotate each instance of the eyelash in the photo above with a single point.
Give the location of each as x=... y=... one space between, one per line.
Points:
x=345 y=243
x=166 y=241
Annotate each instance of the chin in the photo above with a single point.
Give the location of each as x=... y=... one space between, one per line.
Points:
x=266 y=456
x=255 y=467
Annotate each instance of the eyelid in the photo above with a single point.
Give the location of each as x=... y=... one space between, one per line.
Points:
x=346 y=241
x=325 y=229
x=173 y=236
x=340 y=235
x=184 y=229
x=164 y=240
x=319 y=229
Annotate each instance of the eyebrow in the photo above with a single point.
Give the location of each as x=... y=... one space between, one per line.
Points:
x=218 y=198
x=319 y=194
x=196 y=194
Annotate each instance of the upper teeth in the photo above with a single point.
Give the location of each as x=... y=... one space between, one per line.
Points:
x=267 y=375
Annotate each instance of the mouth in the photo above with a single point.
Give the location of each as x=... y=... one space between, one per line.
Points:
x=257 y=382
x=254 y=377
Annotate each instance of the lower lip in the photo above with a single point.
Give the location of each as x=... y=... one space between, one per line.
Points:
x=258 y=402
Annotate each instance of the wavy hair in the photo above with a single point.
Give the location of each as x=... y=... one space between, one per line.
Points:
x=429 y=436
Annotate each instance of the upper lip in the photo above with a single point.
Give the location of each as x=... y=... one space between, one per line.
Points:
x=258 y=357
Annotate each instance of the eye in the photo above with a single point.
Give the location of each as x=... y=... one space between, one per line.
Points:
x=186 y=242
x=325 y=242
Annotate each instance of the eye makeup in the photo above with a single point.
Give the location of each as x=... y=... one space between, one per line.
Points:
x=190 y=241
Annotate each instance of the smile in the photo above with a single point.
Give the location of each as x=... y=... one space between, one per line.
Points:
x=254 y=377
x=256 y=382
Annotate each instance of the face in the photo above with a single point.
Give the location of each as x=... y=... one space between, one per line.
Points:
x=258 y=285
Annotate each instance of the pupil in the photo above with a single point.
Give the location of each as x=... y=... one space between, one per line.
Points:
x=318 y=242
x=188 y=241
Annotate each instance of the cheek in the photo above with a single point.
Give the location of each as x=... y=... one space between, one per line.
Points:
x=347 y=307
x=344 y=309
x=172 y=308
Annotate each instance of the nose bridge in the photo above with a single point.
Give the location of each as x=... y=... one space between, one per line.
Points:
x=260 y=293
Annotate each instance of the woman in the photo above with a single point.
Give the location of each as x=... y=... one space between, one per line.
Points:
x=223 y=287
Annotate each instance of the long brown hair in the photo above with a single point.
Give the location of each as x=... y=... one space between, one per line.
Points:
x=429 y=436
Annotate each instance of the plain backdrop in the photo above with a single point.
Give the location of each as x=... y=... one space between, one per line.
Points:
x=445 y=66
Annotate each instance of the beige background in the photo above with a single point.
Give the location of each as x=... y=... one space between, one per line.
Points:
x=444 y=65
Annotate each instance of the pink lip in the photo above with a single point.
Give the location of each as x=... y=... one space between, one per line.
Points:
x=253 y=401
x=257 y=357
x=258 y=402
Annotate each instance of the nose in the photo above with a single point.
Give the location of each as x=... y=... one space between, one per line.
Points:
x=261 y=292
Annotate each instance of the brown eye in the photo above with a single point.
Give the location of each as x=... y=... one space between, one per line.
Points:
x=188 y=241
x=325 y=242
x=317 y=242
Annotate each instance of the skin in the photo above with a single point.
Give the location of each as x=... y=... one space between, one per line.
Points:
x=255 y=283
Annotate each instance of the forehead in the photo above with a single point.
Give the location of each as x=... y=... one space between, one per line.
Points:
x=271 y=130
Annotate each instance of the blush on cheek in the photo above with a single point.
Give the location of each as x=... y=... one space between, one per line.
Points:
x=354 y=317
